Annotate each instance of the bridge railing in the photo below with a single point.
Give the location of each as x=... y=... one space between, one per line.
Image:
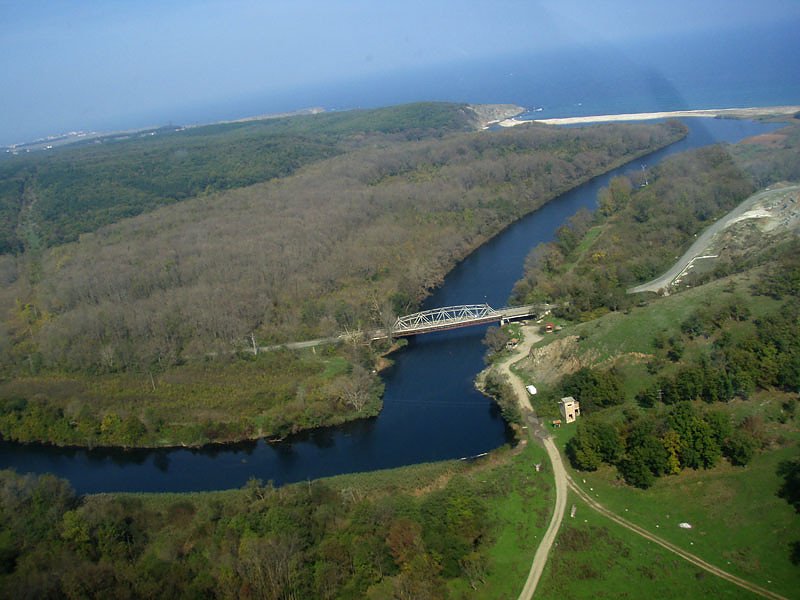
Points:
x=450 y=317
x=442 y=317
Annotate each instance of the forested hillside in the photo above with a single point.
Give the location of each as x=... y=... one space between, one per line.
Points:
x=714 y=343
x=692 y=398
x=639 y=231
x=50 y=197
x=128 y=333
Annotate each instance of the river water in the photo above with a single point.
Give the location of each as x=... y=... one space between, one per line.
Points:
x=431 y=409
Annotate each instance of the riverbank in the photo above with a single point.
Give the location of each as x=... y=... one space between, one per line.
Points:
x=428 y=380
x=718 y=113
x=530 y=336
x=472 y=526
x=275 y=394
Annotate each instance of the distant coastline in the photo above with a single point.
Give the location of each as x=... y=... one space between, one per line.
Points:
x=730 y=113
x=485 y=115
x=64 y=139
x=489 y=115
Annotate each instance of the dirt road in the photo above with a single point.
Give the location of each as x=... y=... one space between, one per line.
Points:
x=695 y=560
x=543 y=551
x=530 y=337
x=701 y=244
x=539 y=433
x=536 y=432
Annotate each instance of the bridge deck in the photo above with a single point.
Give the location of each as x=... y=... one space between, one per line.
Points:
x=453 y=317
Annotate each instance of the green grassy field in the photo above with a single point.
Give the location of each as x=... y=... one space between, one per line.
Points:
x=634 y=331
x=596 y=558
x=626 y=340
x=738 y=522
x=584 y=245
x=520 y=515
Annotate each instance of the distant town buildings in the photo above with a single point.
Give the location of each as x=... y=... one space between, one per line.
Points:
x=570 y=409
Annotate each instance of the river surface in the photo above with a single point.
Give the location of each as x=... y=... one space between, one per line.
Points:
x=431 y=409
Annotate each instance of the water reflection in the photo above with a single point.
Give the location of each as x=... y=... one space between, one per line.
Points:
x=161 y=460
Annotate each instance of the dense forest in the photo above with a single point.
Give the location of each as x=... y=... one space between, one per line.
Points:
x=427 y=533
x=50 y=197
x=127 y=336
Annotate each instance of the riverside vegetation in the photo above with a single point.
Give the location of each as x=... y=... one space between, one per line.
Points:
x=140 y=333
x=692 y=397
x=449 y=529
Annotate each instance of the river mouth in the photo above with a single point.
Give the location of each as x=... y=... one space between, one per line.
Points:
x=431 y=410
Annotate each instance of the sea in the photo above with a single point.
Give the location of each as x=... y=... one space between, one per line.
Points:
x=757 y=66
x=752 y=67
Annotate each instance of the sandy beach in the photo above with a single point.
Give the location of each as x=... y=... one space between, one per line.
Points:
x=731 y=113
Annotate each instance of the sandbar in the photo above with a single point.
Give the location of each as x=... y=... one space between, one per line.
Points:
x=731 y=113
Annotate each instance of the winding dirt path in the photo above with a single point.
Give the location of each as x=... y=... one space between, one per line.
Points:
x=563 y=481
x=529 y=337
x=695 y=560
x=703 y=242
x=537 y=433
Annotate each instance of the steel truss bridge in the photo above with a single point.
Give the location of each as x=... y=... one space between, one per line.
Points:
x=452 y=317
x=427 y=321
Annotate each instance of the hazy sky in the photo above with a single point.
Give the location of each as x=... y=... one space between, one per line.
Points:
x=78 y=65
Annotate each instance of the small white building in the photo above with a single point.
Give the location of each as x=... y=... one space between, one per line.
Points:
x=531 y=389
x=570 y=409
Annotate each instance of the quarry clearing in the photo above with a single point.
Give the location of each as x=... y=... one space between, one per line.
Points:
x=774 y=210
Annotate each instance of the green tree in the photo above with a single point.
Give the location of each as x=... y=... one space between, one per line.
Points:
x=496 y=338
x=616 y=196
x=739 y=447
x=594 y=389
x=582 y=450
x=643 y=446
x=699 y=448
x=789 y=471
x=131 y=431
x=635 y=471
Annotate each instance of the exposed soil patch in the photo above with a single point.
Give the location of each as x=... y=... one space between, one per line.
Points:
x=550 y=363
x=772 y=211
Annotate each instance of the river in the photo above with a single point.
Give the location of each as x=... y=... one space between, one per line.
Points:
x=431 y=409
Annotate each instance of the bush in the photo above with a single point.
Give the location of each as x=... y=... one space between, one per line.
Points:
x=739 y=447
x=498 y=388
x=635 y=471
x=594 y=389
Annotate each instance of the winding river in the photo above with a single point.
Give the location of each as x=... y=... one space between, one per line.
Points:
x=431 y=409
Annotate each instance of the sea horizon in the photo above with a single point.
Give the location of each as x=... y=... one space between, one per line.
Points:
x=754 y=69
